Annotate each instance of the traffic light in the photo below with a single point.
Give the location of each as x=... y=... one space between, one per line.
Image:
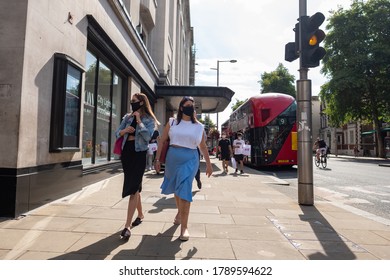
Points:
x=311 y=37
x=291 y=52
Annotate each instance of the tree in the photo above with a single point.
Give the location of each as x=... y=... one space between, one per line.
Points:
x=357 y=64
x=279 y=80
x=237 y=104
x=207 y=122
x=210 y=128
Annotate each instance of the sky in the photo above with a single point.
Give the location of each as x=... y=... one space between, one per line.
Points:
x=253 y=32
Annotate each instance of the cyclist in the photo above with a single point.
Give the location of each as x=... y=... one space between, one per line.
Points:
x=320 y=146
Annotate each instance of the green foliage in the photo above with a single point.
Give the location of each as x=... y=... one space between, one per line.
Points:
x=357 y=63
x=207 y=122
x=237 y=104
x=279 y=80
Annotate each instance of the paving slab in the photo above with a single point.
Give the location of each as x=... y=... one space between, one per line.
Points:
x=233 y=217
x=265 y=250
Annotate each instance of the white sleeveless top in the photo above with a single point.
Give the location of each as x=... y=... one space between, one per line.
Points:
x=185 y=134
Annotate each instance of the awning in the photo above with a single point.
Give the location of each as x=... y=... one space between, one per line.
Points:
x=207 y=99
x=366 y=133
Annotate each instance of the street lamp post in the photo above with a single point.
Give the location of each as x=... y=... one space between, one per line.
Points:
x=219 y=61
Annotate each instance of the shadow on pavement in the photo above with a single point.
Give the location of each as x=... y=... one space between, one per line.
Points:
x=323 y=169
x=332 y=243
x=160 y=246
x=166 y=203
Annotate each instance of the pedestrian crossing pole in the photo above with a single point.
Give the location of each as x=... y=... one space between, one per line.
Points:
x=304 y=117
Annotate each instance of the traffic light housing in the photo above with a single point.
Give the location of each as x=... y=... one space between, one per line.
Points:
x=291 y=52
x=310 y=39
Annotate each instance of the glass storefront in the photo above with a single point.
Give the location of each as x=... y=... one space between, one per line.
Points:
x=103 y=113
x=116 y=117
x=102 y=103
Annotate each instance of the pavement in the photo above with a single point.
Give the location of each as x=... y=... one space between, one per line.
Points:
x=233 y=217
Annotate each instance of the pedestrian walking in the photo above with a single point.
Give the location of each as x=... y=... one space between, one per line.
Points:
x=182 y=160
x=238 y=145
x=356 y=151
x=225 y=150
x=197 y=176
x=152 y=149
x=136 y=129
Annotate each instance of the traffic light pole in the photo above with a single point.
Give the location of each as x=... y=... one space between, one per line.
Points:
x=304 y=117
x=305 y=158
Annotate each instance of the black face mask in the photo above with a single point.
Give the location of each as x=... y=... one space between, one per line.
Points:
x=135 y=106
x=188 y=111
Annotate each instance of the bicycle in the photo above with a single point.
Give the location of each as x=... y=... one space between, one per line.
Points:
x=323 y=159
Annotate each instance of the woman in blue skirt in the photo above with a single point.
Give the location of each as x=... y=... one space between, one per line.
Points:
x=186 y=134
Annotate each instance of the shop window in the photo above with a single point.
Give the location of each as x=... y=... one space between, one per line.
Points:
x=66 y=104
x=351 y=137
x=103 y=114
x=101 y=111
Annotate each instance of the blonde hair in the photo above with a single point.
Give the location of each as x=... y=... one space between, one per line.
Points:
x=147 y=109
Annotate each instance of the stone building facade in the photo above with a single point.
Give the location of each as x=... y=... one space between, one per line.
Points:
x=68 y=71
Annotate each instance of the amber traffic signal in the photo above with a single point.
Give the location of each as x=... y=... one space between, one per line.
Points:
x=311 y=37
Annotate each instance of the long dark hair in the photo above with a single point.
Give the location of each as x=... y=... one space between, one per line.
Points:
x=146 y=109
x=180 y=112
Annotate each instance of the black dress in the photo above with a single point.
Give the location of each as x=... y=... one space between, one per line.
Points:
x=133 y=164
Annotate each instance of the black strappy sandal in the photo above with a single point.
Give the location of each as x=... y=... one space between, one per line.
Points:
x=136 y=222
x=125 y=234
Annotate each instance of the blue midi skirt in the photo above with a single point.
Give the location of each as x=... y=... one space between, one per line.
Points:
x=181 y=165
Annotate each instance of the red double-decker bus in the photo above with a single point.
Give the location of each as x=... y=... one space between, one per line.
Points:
x=268 y=123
